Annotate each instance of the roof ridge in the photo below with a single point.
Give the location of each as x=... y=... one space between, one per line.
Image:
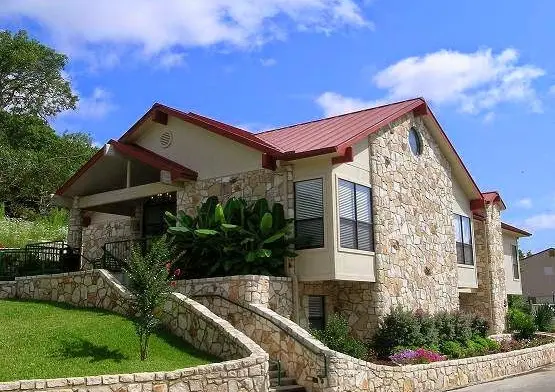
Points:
x=338 y=115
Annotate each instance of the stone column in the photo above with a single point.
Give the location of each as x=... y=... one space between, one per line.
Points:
x=75 y=227
x=496 y=268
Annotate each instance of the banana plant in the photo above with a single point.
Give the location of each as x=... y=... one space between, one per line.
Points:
x=234 y=238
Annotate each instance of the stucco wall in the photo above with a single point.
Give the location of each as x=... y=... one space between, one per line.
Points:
x=513 y=284
x=205 y=152
x=413 y=205
x=538 y=275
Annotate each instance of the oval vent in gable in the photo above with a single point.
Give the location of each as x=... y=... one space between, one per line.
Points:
x=166 y=139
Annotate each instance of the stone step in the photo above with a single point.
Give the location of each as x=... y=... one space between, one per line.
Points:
x=288 y=388
x=283 y=380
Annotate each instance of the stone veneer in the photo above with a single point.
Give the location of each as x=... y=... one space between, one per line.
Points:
x=490 y=297
x=413 y=202
x=353 y=300
x=273 y=292
x=276 y=186
x=245 y=369
x=318 y=368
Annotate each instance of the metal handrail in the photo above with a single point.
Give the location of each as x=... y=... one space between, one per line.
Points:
x=314 y=351
x=278 y=363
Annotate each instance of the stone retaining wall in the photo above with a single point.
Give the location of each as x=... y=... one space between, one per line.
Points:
x=8 y=289
x=273 y=292
x=246 y=368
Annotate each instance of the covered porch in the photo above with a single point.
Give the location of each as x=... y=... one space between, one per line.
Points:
x=119 y=198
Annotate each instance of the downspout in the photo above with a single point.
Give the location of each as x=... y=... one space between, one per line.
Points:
x=291 y=261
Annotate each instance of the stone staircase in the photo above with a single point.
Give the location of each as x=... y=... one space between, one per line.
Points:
x=286 y=384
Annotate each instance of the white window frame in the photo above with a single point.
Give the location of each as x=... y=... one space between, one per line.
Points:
x=338 y=217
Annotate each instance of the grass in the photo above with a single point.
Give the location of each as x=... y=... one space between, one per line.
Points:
x=17 y=232
x=51 y=340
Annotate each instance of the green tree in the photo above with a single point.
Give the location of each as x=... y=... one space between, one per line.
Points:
x=522 y=255
x=31 y=77
x=35 y=161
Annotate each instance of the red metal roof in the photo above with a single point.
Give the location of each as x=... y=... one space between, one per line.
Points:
x=493 y=197
x=330 y=134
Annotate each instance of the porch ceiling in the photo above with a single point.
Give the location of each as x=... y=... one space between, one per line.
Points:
x=107 y=170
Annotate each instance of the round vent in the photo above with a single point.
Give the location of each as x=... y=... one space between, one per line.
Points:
x=166 y=139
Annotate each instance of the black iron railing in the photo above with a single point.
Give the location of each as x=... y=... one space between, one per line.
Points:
x=38 y=259
x=116 y=252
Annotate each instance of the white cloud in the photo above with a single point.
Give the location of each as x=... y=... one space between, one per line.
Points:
x=552 y=90
x=541 y=221
x=171 y=60
x=90 y=28
x=525 y=203
x=489 y=117
x=268 y=62
x=333 y=104
x=95 y=106
x=472 y=82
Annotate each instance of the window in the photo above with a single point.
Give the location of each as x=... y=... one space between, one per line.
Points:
x=415 y=141
x=463 y=237
x=316 y=312
x=309 y=214
x=548 y=270
x=516 y=271
x=355 y=216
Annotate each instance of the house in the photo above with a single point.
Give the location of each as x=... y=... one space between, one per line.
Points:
x=386 y=212
x=538 y=276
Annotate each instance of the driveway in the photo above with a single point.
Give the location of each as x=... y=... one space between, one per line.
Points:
x=541 y=380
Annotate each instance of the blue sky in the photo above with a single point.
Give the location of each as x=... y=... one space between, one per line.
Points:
x=487 y=69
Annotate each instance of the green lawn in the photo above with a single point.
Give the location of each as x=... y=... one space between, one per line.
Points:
x=49 y=340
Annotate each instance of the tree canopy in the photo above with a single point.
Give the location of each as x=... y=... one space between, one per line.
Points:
x=34 y=159
x=31 y=77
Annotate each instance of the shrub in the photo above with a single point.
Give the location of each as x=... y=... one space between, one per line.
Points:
x=418 y=356
x=453 y=349
x=521 y=324
x=480 y=326
x=150 y=277
x=446 y=324
x=336 y=336
x=475 y=348
x=399 y=328
x=463 y=326
x=542 y=317
x=490 y=344
x=429 y=335
x=518 y=302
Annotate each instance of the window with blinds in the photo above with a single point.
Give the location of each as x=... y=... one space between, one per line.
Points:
x=355 y=216
x=516 y=271
x=316 y=312
x=463 y=238
x=309 y=214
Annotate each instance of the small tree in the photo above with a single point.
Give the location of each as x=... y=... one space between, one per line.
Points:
x=151 y=278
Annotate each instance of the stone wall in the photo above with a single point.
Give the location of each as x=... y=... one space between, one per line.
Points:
x=276 y=186
x=348 y=374
x=87 y=289
x=413 y=203
x=230 y=376
x=353 y=300
x=246 y=368
x=301 y=356
x=8 y=289
x=97 y=234
x=489 y=299
x=273 y=292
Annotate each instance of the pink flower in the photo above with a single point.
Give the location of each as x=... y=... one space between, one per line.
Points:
x=177 y=272
x=173 y=283
x=168 y=266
